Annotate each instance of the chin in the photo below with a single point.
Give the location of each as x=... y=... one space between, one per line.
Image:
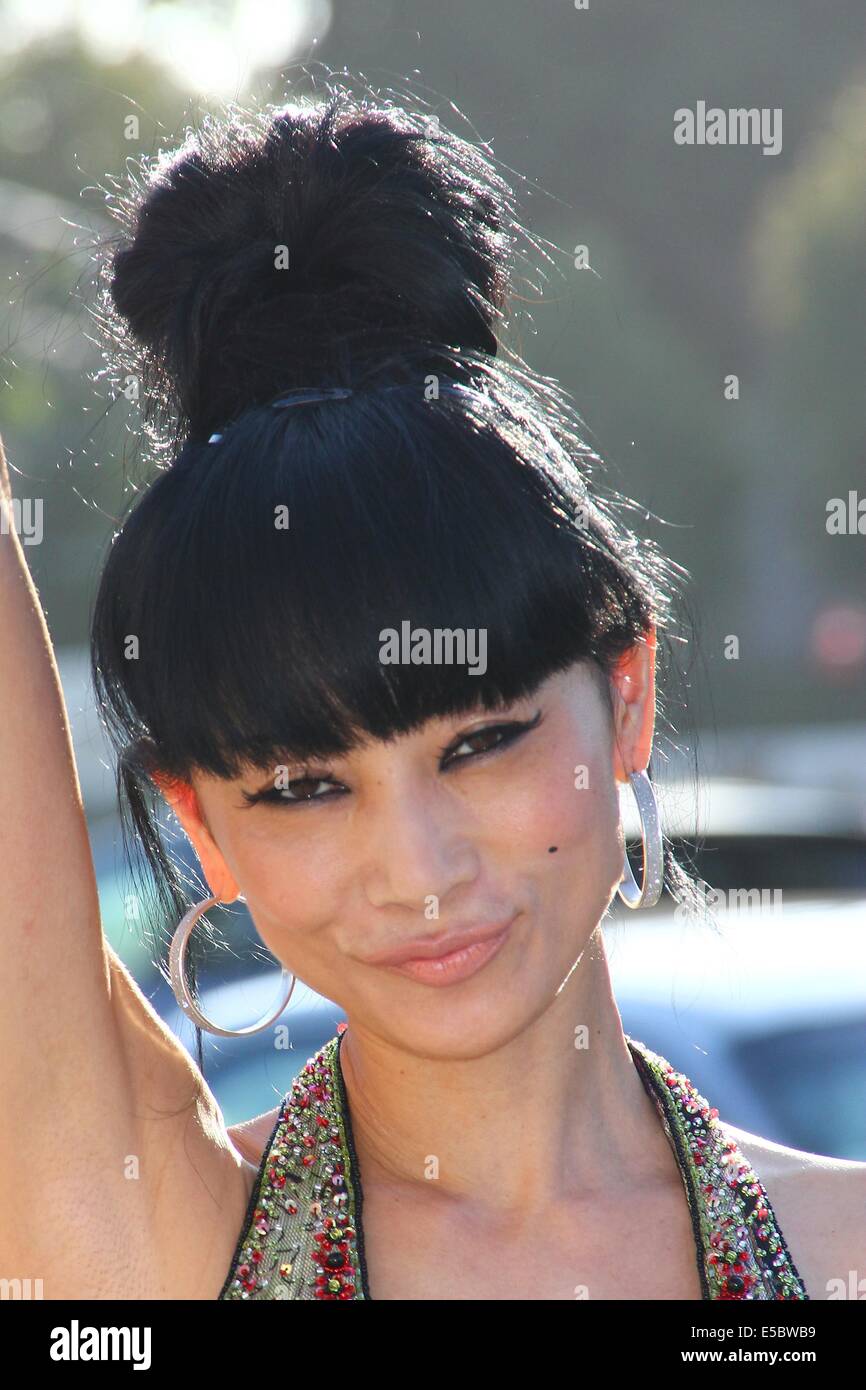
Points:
x=462 y=1022
x=439 y=1040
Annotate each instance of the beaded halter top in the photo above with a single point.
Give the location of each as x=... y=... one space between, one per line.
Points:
x=302 y=1235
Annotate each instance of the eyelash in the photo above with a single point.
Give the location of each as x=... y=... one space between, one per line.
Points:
x=510 y=732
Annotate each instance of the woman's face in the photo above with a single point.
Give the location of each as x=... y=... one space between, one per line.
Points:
x=493 y=820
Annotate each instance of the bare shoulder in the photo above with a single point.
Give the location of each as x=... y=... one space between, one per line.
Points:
x=820 y=1206
x=250 y=1137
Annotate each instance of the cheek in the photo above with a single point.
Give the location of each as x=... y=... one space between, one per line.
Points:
x=566 y=797
x=563 y=821
x=289 y=880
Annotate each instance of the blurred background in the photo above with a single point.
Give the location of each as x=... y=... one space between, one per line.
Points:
x=703 y=303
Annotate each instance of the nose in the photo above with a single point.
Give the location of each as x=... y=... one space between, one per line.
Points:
x=418 y=848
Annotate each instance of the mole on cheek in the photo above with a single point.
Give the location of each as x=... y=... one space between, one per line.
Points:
x=553 y=849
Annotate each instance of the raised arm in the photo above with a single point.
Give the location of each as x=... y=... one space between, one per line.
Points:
x=113 y=1154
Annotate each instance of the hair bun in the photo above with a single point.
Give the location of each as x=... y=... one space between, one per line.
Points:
x=301 y=246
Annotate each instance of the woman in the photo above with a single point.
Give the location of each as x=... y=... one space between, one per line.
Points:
x=381 y=643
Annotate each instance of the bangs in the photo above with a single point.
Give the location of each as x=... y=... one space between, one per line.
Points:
x=296 y=600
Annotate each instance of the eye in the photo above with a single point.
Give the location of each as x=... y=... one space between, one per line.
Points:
x=298 y=792
x=492 y=737
x=304 y=790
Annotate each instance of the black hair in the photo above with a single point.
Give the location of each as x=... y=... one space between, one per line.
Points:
x=341 y=242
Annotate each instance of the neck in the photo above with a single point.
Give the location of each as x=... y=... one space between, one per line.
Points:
x=556 y=1113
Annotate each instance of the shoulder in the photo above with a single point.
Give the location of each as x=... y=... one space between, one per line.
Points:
x=820 y=1207
x=250 y=1137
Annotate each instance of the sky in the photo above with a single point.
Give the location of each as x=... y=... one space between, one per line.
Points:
x=213 y=47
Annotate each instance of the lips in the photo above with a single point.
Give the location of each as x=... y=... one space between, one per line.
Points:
x=435 y=947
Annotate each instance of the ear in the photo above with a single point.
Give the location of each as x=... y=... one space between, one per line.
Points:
x=181 y=796
x=634 y=705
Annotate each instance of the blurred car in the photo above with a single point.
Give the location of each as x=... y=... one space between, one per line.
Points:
x=767 y=1016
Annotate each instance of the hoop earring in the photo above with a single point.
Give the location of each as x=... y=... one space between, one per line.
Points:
x=177 y=971
x=653 y=860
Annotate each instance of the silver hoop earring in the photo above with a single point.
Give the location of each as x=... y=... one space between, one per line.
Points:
x=653 y=861
x=177 y=971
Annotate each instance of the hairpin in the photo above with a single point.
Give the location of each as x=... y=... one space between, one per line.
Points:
x=303 y=395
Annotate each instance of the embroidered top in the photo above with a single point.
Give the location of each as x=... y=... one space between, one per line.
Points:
x=302 y=1234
